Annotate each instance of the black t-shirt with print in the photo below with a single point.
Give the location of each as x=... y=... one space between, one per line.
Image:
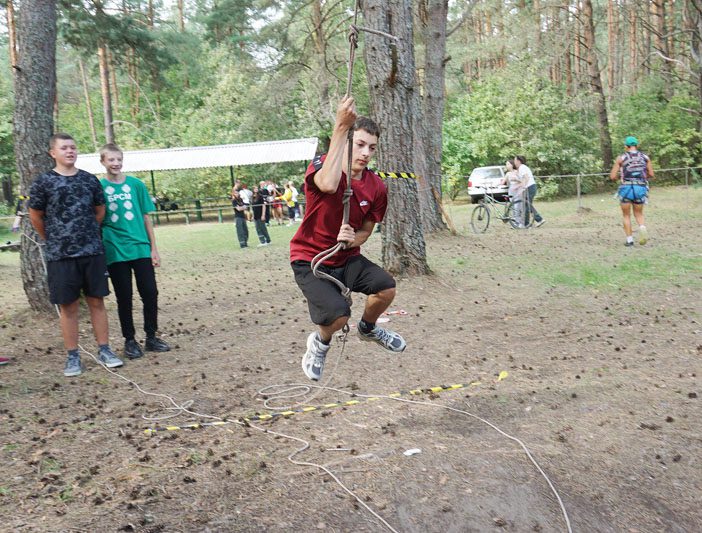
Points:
x=68 y=203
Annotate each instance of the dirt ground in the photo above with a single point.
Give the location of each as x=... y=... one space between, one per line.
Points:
x=602 y=346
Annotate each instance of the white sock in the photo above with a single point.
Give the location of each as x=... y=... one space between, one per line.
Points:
x=630 y=239
x=642 y=227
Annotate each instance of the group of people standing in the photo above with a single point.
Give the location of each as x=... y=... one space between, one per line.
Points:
x=90 y=230
x=260 y=205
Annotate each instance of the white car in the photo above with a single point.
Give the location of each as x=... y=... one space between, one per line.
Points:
x=487 y=180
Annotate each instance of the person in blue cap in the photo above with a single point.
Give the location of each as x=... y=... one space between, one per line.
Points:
x=634 y=170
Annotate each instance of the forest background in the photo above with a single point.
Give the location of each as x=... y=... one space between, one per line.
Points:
x=555 y=80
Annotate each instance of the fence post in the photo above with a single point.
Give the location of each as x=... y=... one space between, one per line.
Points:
x=577 y=187
x=687 y=178
x=187 y=218
x=198 y=210
x=219 y=216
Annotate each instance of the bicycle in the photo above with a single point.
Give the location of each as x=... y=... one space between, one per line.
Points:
x=504 y=211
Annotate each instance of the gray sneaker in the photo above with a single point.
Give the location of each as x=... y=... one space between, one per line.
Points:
x=73 y=367
x=389 y=340
x=108 y=358
x=313 y=360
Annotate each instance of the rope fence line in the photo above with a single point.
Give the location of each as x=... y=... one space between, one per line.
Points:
x=198 y=211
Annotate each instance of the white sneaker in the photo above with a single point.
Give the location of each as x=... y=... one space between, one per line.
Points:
x=643 y=235
x=540 y=223
x=313 y=360
x=389 y=340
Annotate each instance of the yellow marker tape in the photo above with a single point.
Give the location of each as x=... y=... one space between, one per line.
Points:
x=269 y=416
x=395 y=175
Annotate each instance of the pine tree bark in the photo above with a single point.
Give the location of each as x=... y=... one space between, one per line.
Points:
x=596 y=85
x=35 y=93
x=433 y=18
x=611 y=47
x=105 y=91
x=633 y=46
x=394 y=96
x=11 y=32
x=695 y=26
x=88 y=104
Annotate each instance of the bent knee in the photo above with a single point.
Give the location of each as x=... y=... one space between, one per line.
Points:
x=386 y=294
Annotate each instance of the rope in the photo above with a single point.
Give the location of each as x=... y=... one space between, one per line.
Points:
x=325 y=255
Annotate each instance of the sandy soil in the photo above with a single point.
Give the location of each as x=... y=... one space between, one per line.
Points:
x=602 y=386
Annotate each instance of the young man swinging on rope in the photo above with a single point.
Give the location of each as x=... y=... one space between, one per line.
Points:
x=322 y=228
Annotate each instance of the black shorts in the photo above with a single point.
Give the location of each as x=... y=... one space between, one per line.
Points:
x=67 y=277
x=324 y=298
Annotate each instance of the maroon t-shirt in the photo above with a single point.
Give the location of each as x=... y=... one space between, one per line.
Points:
x=324 y=213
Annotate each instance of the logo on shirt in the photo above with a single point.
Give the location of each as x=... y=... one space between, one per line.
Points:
x=363 y=203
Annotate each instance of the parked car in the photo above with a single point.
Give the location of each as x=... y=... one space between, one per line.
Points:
x=487 y=180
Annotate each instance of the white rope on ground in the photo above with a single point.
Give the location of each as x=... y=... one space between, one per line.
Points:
x=184 y=408
x=476 y=417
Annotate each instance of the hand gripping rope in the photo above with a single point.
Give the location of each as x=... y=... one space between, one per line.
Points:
x=325 y=255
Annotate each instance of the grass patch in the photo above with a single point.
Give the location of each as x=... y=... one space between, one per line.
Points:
x=652 y=271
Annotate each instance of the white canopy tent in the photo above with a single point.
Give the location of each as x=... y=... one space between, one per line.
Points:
x=223 y=155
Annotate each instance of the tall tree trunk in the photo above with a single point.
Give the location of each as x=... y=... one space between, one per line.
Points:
x=319 y=40
x=181 y=16
x=577 y=47
x=660 y=43
x=11 y=32
x=88 y=104
x=433 y=17
x=113 y=80
x=394 y=96
x=105 y=91
x=633 y=45
x=695 y=26
x=611 y=47
x=596 y=85
x=35 y=91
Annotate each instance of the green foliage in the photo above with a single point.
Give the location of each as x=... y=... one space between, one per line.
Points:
x=518 y=113
x=664 y=129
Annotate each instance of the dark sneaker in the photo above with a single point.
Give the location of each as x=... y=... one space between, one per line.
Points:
x=629 y=243
x=132 y=350
x=154 y=344
x=108 y=358
x=73 y=367
x=389 y=340
x=540 y=223
x=313 y=360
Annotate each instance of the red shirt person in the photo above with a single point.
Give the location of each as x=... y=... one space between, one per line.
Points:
x=322 y=228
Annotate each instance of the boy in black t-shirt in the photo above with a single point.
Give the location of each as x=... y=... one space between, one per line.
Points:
x=259 y=214
x=66 y=207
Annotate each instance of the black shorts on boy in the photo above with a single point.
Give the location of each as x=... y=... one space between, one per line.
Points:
x=67 y=278
x=324 y=300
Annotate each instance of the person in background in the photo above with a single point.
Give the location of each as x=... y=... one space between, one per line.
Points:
x=246 y=196
x=66 y=208
x=295 y=196
x=527 y=177
x=130 y=248
x=242 y=230
x=634 y=170
x=260 y=207
x=517 y=192
x=287 y=197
